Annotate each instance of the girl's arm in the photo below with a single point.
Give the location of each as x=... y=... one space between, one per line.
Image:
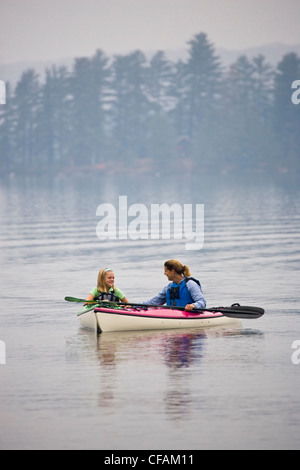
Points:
x=90 y=297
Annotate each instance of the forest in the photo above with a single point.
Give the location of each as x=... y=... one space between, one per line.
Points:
x=127 y=113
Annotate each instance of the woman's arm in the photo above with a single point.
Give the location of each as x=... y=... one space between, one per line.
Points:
x=159 y=299
x=197 y=296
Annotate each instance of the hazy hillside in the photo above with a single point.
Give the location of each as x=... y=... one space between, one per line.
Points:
x=123 y=113
x=272 y=52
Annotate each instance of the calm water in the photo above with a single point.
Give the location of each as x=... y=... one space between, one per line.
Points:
x=66 y=388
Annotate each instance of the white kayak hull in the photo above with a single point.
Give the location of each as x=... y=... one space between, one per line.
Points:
x=87 y=318
x=116 y=320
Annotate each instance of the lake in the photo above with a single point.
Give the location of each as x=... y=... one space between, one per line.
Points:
x=63 y=387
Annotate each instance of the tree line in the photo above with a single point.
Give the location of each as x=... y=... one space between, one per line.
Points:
x=129 y=113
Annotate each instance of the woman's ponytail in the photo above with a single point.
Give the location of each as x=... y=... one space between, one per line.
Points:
x=178 y=267
x=186 y=271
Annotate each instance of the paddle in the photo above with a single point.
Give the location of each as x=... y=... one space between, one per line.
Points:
x=235 y=311
x=74 y=299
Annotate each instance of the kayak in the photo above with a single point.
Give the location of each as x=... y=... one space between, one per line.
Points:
x=155 y=318
x=87 y=317
x=111 y=316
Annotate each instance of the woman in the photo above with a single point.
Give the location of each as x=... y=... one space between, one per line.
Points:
x=106 y=290
x=183 y=290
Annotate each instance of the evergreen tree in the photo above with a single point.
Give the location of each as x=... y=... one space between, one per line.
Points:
x=7 y=135
x=246 y=108
x=100 y=80
x=179 y=110
x=159 y=75
x=26 y=104
x=130 y=106
x=88 y=85
x=286 y=115
x=263 y=76
x=53 y=126
x=203 y=83
x=161 y=138
x=240 y=85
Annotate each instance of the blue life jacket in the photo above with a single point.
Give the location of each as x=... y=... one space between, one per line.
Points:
x=178 y=294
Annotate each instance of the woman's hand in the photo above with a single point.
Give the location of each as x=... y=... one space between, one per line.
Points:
x=189 y=307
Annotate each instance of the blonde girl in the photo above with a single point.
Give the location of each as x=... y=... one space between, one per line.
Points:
x=106 y=289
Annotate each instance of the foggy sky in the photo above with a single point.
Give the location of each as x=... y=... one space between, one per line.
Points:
x=57 y=29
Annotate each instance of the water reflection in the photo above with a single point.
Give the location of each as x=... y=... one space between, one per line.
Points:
x=179 y=351
x=161 y=368
x=182 y=351
x=176 y=348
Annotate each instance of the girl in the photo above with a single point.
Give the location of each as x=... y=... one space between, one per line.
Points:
x=106 y=290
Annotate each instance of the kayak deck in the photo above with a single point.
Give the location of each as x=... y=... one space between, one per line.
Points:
x=158 y=312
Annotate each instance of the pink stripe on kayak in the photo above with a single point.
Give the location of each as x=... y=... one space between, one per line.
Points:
x=159 y=313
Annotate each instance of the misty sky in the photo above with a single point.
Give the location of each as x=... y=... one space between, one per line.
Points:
x=56 y=29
